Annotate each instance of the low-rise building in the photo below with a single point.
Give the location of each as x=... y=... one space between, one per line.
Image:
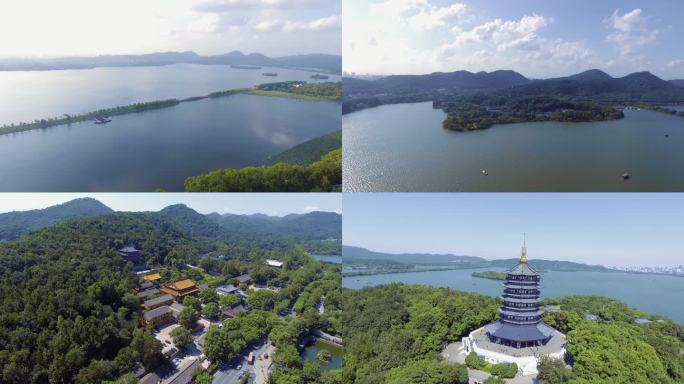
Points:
x=233 y=311
x=158 y=316
x=243 y=278
x=181 y=288
x=145 y=285
x=152 y=277
x=158 y=301
x=131 y=254
x=226 y=289
x=274 y=263
x=148 y=293
x=177 y=308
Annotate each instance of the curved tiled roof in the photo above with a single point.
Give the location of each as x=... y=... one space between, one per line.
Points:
x=530 y=332
x=523 y=269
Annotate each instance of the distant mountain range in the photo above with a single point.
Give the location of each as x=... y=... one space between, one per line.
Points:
x=262 y=230
x=15 y=224
x=639 y=86
x=328 y=63
x=359 y=255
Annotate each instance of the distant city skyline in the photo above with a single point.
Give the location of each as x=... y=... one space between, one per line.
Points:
x=538 y=38
x=64 y=28
x=273 y=204
x=607 y=229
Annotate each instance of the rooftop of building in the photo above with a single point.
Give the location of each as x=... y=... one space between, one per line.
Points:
x=554 y=345
x=154 y=313
x=158 y=300
x=181 y=284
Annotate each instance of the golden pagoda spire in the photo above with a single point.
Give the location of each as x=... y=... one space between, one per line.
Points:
x=523 y=255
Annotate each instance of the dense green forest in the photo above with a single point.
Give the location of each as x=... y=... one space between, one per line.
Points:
x=70 y=313
x=15 y=224
x=324 y=175
x=392 y=329
x=409 y=325
x=614 y=349
x=492 y=275
x=310 y=151
x=68 y=298
x=319 y=91
x=473 y=112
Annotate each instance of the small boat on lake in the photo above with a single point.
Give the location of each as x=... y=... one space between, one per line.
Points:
x=245 y=67
x=318 y=76
x=102 y=120
x=270 y=74
x=484 y=172
x=626 y=176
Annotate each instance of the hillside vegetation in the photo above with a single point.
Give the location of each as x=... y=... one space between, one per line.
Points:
x=310 y=151
x=15 y=224
x=324 y=175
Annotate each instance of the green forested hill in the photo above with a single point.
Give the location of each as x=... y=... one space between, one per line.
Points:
x=395 y=328
x=394 y=333
x=15 y=224
x=310 y=151
x=68 y=297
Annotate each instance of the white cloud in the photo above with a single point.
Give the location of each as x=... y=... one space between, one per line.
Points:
x=311 y=208
x=240 y=5
x=431 y=17
x=419 y=14
x=267 y=25
x=676 y=63
x=325 y=23
x=630 y=31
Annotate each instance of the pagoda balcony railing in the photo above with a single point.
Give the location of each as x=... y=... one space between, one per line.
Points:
x=517 y=286
x=520 y=297
x=515 y=312
x=509 y=299
x=506 y=312
x=522 y=309
x=520 y=322
x=521 y=283
x=522 y=292
x=525 y=279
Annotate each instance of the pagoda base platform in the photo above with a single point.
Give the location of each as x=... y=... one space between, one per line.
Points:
x=526 y=358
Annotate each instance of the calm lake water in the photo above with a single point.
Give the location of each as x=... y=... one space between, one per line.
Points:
x=657 y=294
x=160 y=148
x=29 y=95
x=312 y=350
x=403 y=147
x=335 y=259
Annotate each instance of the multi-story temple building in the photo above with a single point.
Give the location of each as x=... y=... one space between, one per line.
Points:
x=520 y=324
x=520 y=335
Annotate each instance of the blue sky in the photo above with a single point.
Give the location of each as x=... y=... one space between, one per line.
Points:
x=276 y=204
x=43 y=28
x=539 y=38
x=611 y=229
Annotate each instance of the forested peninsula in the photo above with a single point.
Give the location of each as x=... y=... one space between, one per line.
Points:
x=474 y=101
x=288 y=89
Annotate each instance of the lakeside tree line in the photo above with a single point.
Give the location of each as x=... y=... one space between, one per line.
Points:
x=324 y=175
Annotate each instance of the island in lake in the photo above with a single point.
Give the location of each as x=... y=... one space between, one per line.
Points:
x=501 y=131
x=491 y=275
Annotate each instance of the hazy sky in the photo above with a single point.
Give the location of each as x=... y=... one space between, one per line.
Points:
x=611 y=229
x=539 y=38
x=277 y=204
x=90 y=27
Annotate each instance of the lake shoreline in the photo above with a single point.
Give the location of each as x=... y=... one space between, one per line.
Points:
x=150 y=105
